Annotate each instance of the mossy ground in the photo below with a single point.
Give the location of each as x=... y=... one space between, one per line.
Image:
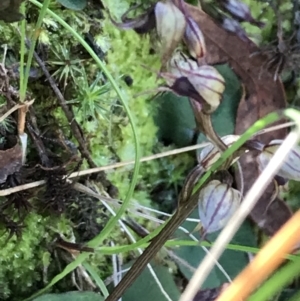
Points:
x=28 y=262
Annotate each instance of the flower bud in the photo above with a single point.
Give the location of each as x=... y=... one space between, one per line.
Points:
x=179 y=62
x=194 y=40
x=141 y=24
x=193 y=36
x=210 y=154
x=235 y=27
x=206 y=81
x=240 y=11
x=210 y=84
x=291 y=166
x=217 y=202
x=170 y=26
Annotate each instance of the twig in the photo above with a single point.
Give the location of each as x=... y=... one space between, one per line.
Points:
x=15 y=189
x=69 y=114
x=275 y=128
x=36 y=137
x=15 y=108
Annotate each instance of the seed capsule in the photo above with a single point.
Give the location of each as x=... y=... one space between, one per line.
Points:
x=141 y=24
x=170 y=26
x=291 y=166
x=194 y=40
x=210 y=84
x=206 y=81
x=217 y=203
x=235 y=27
x=240 y=11
x=210 y=154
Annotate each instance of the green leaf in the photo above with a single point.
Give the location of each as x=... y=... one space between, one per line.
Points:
x=73 y=4
x=232 y=261
x=175 y=119
x=145 y=287
x=71 y=296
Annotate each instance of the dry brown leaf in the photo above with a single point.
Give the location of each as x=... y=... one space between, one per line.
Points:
x=263 y=95
x=10 y=159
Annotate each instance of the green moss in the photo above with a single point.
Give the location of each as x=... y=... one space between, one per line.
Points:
x=261 y=10
x=109 y=138
x=22 y=260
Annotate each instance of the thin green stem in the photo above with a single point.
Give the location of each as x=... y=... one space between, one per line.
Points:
x=113 y=221
x=97 y=279
x=22 y=52
x=180 y=243
x=24 y=79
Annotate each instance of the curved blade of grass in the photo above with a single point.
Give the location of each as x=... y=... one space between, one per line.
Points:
x=22 y=52
x=179 y=243
x=97 y=279
x=277 y=282
x=97 y=240
x=113 y=221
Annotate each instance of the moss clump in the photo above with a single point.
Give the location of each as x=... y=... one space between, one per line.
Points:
x=22 y=260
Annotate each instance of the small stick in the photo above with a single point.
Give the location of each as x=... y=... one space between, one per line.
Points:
x=14 y=108
x=19 y=188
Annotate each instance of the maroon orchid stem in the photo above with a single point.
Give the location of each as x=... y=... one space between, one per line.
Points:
x=204 y=124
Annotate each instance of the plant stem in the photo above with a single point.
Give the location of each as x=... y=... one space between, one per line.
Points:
x=113 y=221
x=204 y=124
x=185 y=207
x=24 y=77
